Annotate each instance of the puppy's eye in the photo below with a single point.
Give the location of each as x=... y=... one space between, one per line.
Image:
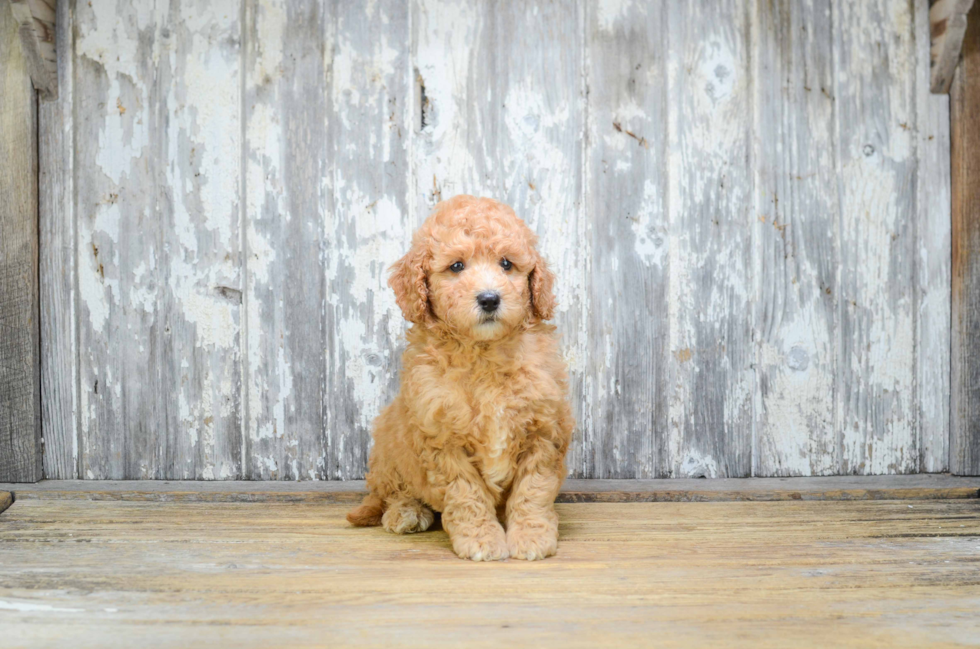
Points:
x=457 y=267
x=506 y=264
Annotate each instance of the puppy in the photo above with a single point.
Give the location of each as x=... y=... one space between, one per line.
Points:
x=481 y=425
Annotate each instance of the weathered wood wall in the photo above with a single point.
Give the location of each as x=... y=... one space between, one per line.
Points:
x=746 y=202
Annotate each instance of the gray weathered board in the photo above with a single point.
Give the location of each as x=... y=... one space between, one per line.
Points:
x=746 y=202
x=20 y=385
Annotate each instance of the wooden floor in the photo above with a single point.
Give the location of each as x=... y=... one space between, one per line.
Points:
x=122 y=573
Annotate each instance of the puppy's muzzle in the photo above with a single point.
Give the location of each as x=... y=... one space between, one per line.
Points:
x=489 y=301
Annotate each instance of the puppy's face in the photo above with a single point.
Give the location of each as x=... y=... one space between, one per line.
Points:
x=474 y=268
x=480 y=287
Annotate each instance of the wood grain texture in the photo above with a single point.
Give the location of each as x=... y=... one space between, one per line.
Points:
x=932 y=261
x=56 y=209
x=964 y=446
x=37 y=38
x=288 y=197
x=895 y=487
x=947 y=27
x=710 y=194
x=875 y=100
x=750 y=229
x=157 y=191
x=45 y=14
x=797 y=231
x=626 y=153
x=370 y=225
x=20 y=360
x=789 y=574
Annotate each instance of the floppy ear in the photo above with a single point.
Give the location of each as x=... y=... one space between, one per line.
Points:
x=408 y=280
x=542 y=282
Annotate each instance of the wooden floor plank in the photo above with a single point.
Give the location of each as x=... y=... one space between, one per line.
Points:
x=774 y=574
x=897 y=487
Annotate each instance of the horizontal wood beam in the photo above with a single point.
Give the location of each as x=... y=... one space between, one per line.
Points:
x=895 y=487
x=947 y=25
x=36 y=19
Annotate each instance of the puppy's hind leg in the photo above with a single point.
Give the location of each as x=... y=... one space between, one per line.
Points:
x=368 y=513
x=405 y=515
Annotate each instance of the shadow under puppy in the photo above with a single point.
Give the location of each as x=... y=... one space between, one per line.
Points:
x=481 y=425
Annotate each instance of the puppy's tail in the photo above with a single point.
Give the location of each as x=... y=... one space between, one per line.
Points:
x=368 y=513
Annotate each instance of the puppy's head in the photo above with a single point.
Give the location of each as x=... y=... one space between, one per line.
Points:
x=474 y=267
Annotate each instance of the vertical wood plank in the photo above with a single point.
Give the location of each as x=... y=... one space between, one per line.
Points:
x=932 y=258
x=875 y=85
x=453 y=115
x=626 y=185
x=502 y=114
x=59 y=355
x=157 y=209
x=710 y=203
x=204 y=160
x=20 y=360
x=369 y=226
x=796 y=226
x=288 y=191
x=101 y=161
x=964 y=448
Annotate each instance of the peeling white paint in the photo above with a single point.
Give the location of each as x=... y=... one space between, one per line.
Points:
x=651 y=240
x=94 y=295
x=270 y=28
x=610 y=13
x=697 y=465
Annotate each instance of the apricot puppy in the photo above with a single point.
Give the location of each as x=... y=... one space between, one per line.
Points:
x=481 y=425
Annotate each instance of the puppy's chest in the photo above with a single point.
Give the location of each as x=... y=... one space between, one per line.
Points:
x=499 y=438
x=499 y=420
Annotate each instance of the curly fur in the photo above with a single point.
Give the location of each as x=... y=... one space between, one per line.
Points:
x=481 y=425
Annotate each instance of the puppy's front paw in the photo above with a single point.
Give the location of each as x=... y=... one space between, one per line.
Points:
x=532 y=543
x=485 y=543
x=407 y=517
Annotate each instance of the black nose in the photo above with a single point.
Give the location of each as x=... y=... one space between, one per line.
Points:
x=488 y=301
